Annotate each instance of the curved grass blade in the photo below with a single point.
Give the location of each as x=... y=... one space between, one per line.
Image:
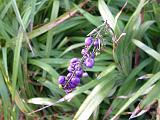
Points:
x=5 y=98
x=16 y=62
x=106 y=71
x=54 y=23
x=41 y=101
x=150 y=82
x=91 y=102
x=152 y=95
x=54 y=14
x=147 y=49
x=19 y=102
x=92 y=19
x=128 y=85
x=23 y=27
x=144 y=27
x=106 y=13
x=45 y=67
x=72 y=47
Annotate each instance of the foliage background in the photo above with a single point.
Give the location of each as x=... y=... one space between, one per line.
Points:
x=37 y=39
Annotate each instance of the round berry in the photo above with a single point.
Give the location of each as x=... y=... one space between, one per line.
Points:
x=78 y=67
x=88 y=41
x=84 y=51
x=74 y=60
x=61 y=80
x=70 y=69
x=69 y=75
x=79 y=73
x=89 y=62
x=85 y=74
x=96 y=43
x=75 y=80
x=72 y=85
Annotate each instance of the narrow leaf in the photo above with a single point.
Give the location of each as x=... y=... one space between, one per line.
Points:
x=147 y=49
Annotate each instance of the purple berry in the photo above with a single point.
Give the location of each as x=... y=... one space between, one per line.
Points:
x=61 y=80
x=89 y=62
x=96 y=43
x=72 y=85
x=79 y=73
x=88 y=41
x=84 y=51
x=75 y=80
x=78 y=67
x=69 y=75
x=70 y=69
x=74 y=60
x=85 y=74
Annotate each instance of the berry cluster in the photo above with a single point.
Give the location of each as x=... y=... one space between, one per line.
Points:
x=77 y=66
x=92 y=47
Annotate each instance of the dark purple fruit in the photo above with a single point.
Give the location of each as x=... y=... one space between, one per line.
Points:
x=61 y=80
x=88 y=41
x=89 y=62
x=79 y=73
x=75 y=80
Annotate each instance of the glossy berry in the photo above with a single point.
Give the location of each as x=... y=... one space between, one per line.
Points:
x=85 y=74
x=84 y=51
x=70 y=69
x=79 y=73
x=76 y=72
x=78 y=67
x=75 y=80
x=96 y=43
x=69 y=75
x=74 y=60
x=61 y=80
x=72 y=85
x=88 y=41
x=89 y=62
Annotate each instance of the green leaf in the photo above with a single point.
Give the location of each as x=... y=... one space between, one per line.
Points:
x=152 y=95
x=106 y=13
x=45 y=67
x=52 y=24
x=133 y=19
x=129 y=84
x=91 y=102
x=16 y=61
x=150 y=82
x=19 y=102
x=5 y=98
x=144 y=27
x=54 y=88
x=5 y=10
x=92 y=19
x=106 y=71
x=63 y=42
x=54 y=14
x=72 y=47
x=41 y=101
x=21 y=22
x=147 y=49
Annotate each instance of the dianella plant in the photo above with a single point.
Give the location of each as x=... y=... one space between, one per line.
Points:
x=80 y=60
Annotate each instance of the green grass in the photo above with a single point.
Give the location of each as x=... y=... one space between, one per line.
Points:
x=39 y=37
